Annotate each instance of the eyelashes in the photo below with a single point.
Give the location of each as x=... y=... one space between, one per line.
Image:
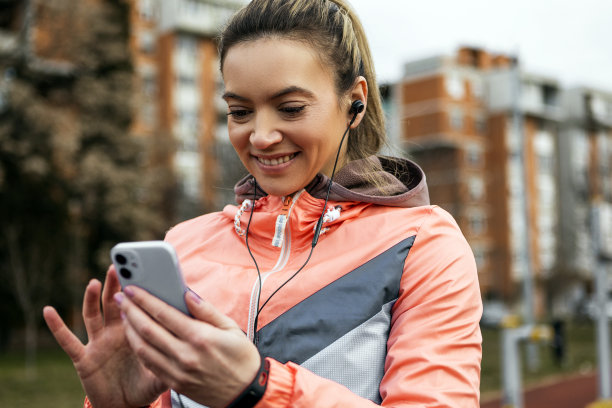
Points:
x=293 y=110
x=238 y=113
x=288 y=111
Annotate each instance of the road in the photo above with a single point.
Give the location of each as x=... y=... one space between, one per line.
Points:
x=571 y=392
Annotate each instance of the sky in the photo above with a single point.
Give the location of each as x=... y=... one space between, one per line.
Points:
x=567 y=40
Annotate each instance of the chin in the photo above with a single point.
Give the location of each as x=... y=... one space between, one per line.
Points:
x=278 y=190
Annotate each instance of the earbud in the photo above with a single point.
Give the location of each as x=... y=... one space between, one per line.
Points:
x=356 y=107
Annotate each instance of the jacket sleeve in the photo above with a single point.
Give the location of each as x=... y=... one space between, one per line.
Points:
x=434 y=347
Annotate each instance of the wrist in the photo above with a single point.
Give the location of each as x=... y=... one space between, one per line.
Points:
x=252 y=393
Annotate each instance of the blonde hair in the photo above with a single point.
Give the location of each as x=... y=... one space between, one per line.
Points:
x=331 y=28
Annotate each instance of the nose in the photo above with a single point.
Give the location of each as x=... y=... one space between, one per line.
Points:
x=265 y=132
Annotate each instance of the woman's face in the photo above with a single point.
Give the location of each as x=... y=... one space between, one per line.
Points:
x=284 y=115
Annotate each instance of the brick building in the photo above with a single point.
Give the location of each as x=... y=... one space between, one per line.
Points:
x=178 y=93
x=490 y=151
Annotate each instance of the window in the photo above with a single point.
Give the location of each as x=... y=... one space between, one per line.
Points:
x=477 y=222
x=478 y=88
x=187 y=45
x=480 y=254
x=454 y=86
x=474 y=155
x=456 y=118
x=148 y=78
x=550 y=95
x=546 y=164
x=149 y=86
x=480 y=123
x=186 y=80
x=147 y=9
x=476 y=188
x=146 y=41
x=598 y=106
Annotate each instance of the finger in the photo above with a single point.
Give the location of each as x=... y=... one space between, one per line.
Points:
x=111 y=286
x=206 y=312
x=168 y=317
x=142 y=322
x=149 y=356
x=147 y=334
x=92 y=316
x=64 y=337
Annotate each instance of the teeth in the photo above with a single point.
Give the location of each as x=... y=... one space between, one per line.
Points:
x=277 y=161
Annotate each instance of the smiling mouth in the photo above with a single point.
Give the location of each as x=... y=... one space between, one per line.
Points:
x=276 y=161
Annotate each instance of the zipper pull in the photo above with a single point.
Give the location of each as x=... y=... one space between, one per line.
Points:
x=281 y=222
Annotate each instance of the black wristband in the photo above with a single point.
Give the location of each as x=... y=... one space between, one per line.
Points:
x=251 y=395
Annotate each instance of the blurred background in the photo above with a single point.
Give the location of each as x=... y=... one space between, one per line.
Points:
x=112 y=128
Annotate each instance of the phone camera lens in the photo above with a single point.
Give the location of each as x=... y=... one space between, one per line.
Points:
x=121 y=260
x=125 y=273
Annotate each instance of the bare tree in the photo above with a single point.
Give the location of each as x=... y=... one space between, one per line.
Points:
x=73 y=180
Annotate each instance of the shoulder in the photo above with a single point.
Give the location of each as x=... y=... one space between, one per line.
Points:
x=199 y=228
x=426 y=220
x=440 y=255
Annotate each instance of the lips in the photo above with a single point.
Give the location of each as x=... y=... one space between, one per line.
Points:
x=276 y=160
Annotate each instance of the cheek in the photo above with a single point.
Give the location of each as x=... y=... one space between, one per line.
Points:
x=238 y=138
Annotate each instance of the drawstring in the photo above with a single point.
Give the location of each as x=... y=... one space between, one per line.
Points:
x=331 y=215
x=246 y=205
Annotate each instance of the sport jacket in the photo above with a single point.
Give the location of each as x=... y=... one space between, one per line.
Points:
x=385 y=313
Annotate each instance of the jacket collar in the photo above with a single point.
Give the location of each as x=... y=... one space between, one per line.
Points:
x=402 y=184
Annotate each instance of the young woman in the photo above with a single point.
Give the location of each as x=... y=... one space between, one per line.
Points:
x=368 y=299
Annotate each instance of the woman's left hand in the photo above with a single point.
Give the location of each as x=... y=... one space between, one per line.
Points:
x=207 y=358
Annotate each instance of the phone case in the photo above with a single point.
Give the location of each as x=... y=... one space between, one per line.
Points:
x=152 y=266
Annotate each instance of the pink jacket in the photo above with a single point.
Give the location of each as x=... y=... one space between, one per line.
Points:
x=386 y=313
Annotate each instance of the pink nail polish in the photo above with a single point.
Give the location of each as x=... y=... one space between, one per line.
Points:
x=129 y=291
x=122 y=315
x=195 y=297
x=118 y=297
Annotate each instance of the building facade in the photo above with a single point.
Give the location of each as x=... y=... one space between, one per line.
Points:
x=486 y=134
x=585 y=148
x=178 y=94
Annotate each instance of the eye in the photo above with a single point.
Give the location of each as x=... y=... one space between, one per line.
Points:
x=292 y=110
x=239 y=114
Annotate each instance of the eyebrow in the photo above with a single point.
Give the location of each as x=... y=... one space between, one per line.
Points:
x=283 y=92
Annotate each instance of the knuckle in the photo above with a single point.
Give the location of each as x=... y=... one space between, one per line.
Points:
x=160 y=315
x=141 y=352
x=189 y=362
x=146 y=331
x=199 y=341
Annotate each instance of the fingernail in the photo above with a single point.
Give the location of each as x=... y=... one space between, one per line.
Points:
x=119 y=297
x=122 y=315
x=129 y=291
x=195 y=297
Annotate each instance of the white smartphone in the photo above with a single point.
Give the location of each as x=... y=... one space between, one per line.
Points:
x=152 y=266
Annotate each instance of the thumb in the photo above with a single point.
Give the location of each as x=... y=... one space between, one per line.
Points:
x=206 y=312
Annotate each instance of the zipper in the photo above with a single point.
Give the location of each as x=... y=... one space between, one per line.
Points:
x=285 y=244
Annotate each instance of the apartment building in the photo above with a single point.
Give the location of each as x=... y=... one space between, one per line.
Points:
x=585 y=148
x=443 y=126
x=490 y=154
x=178 y=92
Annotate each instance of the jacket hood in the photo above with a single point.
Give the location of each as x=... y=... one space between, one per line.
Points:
x=402 y=183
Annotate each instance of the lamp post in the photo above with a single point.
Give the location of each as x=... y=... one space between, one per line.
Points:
x=533 y=361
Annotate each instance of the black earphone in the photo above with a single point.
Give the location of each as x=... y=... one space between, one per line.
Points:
x=356 y=108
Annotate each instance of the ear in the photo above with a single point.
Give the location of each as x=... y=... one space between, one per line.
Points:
x=359 y=92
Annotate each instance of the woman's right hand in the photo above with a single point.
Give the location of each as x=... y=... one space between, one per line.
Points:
x=108 y=369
